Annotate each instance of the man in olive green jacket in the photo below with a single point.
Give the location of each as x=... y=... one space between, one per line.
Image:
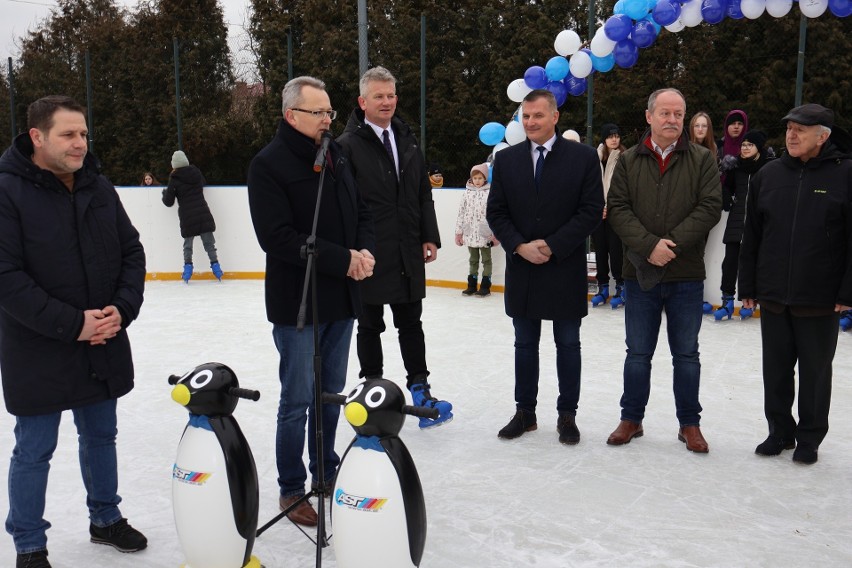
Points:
x=664 y=198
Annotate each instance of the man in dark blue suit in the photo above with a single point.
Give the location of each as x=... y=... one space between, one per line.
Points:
x=546 y=199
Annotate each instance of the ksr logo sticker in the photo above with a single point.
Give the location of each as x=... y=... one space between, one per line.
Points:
x=367 y=504
x=191 y=477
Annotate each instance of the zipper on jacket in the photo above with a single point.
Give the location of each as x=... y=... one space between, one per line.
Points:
x=793 y=236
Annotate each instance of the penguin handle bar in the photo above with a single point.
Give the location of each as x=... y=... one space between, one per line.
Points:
x=244 y=393
x=418 y=411
x=233 y=391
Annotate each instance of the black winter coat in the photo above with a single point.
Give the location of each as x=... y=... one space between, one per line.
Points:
x=797 y=241
x=282 y=192
x=734 y=195
x=187 y=185
x=403 y=211
x=564 y=212
x=62 y=253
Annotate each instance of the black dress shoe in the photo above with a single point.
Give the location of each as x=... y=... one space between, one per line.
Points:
x=523 y=421
x=805 y=454
x=567 y=427
x=772 y=446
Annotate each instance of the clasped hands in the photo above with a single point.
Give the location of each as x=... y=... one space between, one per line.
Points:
x=100 y=325
x=536 y=252
x=361 y=264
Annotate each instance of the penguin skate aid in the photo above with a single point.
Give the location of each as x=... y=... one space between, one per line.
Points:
x=214 y=479
x=377 y=505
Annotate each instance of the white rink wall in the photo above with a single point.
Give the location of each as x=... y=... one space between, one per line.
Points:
x=241 y=256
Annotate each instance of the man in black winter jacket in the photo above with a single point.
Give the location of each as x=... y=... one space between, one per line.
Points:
x=796 y=261
x=72 y=276
x=391 y=174
x=283 y=187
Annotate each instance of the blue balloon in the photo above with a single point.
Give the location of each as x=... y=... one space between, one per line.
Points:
x=657 y=27
x=618 y=8
x=556 y=69
x=643 y=34
x=713 y=11
x=492 y=133
x=734 y=11
x=559 y=90
x=636 y=9
x=618 y=27
x=626 y=53
x=666 y=12
x=535 y=77
x=840 y=8
x=576 y=85
x=603 y=64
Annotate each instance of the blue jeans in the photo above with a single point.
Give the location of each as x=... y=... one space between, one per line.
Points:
x=296 y=372
x=682 y=302
x=35 y=442
x=566 y=334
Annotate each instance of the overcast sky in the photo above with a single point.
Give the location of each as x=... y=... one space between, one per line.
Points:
x=19 y=16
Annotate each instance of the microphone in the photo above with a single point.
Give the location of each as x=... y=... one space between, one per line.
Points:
x=319 y=163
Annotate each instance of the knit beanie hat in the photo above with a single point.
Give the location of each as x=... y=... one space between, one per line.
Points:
x=735 y=116
x=757 y=138
x=608 y=130
x=179 y=160
x=481 y=168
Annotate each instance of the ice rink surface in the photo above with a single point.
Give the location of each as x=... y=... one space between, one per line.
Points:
x=490 y=502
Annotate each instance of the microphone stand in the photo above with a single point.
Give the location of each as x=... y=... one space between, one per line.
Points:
x=309 y=252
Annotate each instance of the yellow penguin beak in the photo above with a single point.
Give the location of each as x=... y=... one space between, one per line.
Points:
x=181 y=395
x=355 y=413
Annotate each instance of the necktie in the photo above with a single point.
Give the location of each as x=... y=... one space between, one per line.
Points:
x=539 y=165
x=386 y=140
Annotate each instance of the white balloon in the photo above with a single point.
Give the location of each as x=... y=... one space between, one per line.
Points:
x=498 y=147
x=690 y=13
x=568 y=42
x=752 y=9
x=601 y=45
x=813 y=8
x=517 y=90
x=778 y=8
x=675 y=26
x=580 y=64
x=515 y=133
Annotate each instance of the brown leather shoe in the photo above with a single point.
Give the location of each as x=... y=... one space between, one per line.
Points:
x=303 y=514
x=625 y=432
x=695 y=442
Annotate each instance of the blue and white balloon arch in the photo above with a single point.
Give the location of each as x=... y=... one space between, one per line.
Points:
x=634 y=25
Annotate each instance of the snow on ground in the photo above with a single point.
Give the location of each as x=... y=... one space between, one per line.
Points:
x=490 y=502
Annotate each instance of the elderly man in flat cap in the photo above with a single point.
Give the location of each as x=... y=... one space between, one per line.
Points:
x=796 y=262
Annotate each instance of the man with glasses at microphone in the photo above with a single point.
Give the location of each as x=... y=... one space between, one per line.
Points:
x=283 y=186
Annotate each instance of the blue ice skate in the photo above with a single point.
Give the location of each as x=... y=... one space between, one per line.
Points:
x=602 y=295
x=187 y=272
x=421 y=396
x=217 y=271
x=846 y=320
x=726 y=310
x=618 y=297
x=707 y=308
x=746 y=313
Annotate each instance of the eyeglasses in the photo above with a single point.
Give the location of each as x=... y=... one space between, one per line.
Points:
x=747 y=145
x=331 y=114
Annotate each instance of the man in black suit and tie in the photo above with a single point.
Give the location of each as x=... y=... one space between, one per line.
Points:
x=546 y=199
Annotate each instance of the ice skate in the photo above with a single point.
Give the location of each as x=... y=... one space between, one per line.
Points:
x=187 y=272
x=602 y=295
x=421 y=396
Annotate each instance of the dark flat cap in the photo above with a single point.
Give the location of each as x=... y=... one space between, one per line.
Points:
x=811 y=114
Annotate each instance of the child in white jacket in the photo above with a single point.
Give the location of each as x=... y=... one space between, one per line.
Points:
x=472 y=230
